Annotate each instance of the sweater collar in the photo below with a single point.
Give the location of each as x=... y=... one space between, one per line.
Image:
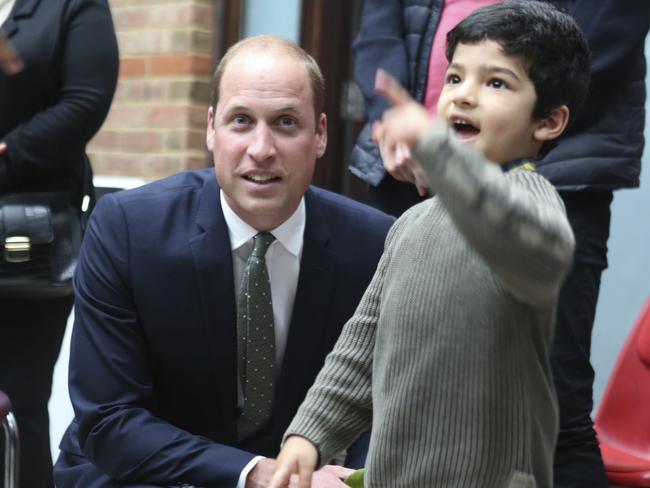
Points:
x=518 y=165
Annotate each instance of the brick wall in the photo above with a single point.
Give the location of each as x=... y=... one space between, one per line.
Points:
x=156 y=125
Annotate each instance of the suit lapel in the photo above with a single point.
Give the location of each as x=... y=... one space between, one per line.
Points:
x=22 y=9
x=310 y=311
x=213 y=265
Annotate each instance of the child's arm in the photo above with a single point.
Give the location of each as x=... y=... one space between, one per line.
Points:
x=516 y=222
x=338 y=407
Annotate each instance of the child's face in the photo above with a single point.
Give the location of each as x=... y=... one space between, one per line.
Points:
x=488 y=101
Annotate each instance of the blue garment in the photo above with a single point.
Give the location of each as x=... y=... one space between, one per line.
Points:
x=153 y=368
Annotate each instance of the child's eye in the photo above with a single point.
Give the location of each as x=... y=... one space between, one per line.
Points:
x=498 y=84
x=452 y=79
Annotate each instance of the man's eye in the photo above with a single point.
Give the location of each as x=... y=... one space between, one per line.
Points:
x=498 y=84
x=286 y=121
x=452 y=79
x=240 y=120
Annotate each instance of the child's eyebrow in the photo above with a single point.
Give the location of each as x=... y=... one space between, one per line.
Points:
x=502 y=70
x=486 y=68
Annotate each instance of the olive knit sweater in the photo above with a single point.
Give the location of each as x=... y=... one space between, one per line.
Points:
x=446 y=354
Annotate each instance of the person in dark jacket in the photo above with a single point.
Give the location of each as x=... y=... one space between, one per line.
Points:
x=600 y=152
x=48 y=113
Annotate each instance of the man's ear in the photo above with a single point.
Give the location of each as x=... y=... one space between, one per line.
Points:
x=209 y=132
x=552 y=126
x=321 y=135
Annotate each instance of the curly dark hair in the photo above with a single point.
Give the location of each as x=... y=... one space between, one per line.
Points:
x=548 y=42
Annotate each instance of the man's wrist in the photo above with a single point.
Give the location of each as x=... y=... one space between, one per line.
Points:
x=241 y=482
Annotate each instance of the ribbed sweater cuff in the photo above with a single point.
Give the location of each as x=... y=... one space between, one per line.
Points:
x=304 y=426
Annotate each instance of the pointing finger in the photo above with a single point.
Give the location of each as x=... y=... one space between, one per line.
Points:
x=389 y=88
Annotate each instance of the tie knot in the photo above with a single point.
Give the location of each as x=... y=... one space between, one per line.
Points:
x=261 y=243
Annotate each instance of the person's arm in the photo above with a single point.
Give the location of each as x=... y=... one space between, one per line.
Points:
x=89 y=76
x=338 y=406
x=379 y=44
x=111 y=384
x=517 y=223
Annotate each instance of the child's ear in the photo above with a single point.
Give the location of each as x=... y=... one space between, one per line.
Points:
x=551 y=126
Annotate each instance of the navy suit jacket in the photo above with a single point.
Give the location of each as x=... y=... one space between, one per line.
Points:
x=153 y=376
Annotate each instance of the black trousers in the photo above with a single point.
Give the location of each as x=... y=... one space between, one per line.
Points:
x=31 y=333
x=578 y=463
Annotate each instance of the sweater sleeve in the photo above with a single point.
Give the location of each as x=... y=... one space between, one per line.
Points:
x=338 y=406
x=516 y=221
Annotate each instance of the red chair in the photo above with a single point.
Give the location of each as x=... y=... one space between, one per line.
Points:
x=10 y=429
x=623 y=420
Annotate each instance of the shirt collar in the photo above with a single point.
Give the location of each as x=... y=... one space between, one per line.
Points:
x=289 y=233
x=518 y=165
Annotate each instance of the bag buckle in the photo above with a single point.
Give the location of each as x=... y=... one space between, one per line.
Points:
x=17 y=249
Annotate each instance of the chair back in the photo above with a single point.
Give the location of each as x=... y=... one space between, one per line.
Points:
x=10 y=428
x=623 y=419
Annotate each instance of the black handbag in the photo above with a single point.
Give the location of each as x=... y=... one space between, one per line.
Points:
x=40 y=236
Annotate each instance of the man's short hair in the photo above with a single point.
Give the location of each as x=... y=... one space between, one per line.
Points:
x=548 y=42
x=277 y=45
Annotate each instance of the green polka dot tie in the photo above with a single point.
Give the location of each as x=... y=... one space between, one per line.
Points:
x=256 y=341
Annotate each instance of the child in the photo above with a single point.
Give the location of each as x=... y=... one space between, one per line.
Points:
x=447 y=353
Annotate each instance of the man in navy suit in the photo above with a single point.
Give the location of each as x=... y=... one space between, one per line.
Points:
x=154 y=366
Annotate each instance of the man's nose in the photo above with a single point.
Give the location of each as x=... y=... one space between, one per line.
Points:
x=262 y=146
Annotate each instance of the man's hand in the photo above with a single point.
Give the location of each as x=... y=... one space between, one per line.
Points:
x=399 y=130
x=10 y=62
x=298 y=456
x=260 y=475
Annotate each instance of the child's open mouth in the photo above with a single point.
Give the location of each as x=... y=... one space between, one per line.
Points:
x=464 y=129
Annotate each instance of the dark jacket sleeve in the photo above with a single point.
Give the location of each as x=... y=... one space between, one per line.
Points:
x=379 y=44
x=89 y=61
x=111 y=380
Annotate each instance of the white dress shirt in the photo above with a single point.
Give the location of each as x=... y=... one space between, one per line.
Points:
x=5 y=9
x=283 y=264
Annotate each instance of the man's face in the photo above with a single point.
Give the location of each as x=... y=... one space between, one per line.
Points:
x=264 y=136
x=488 y=101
